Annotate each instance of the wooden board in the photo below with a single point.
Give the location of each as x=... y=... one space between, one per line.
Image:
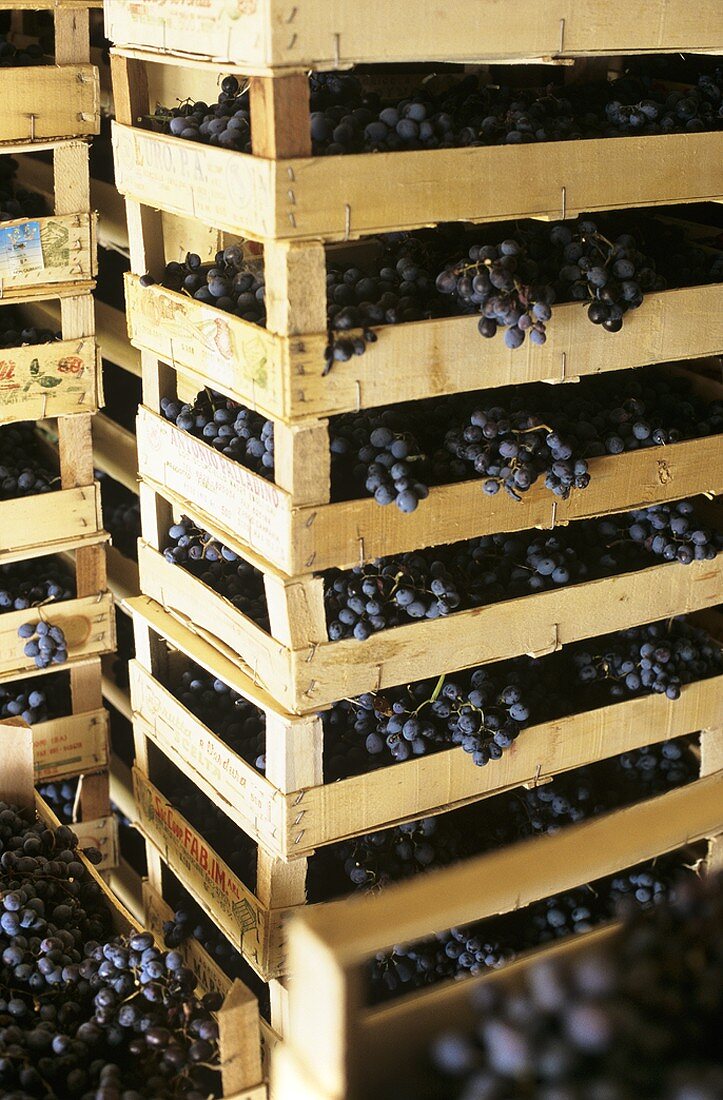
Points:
x=263 y=35
x=68 y=247
x=340 y=198
x=48 y=380
x=319 y=672
x=283 y=377
x=256 y=514
x=114 y=450
x=254 y=931
x=64 y=747
x=88 y=624
x=46 y=101
x=48 y=522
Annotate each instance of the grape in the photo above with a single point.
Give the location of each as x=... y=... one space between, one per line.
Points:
x=44 y=642
x=14 y=333
x=13 y=56
x=121 y=515
x=23 y=470
x=235 y=431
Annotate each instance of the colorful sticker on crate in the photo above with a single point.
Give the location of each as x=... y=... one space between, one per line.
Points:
x=21 y=250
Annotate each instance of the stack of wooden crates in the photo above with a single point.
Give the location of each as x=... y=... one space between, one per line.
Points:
x=181 y=197
x=50 y=110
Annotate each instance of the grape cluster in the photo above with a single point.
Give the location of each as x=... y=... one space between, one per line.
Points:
x=479 y=710
x=219 y=567
x=15 y=201
x=25 y=584
x=61 y=798
x=238 y=432
x=658 y=657
x=229 y=283
x=494 y=942
x=347 y=118
x=513 y=451
x=636 y=1016
x=23 y=469
x=84 y=1012
x=121 y=515
x=670 y=532
x=44 y=642
x=35 y=699
x=374 y=450
x=515 y=283
x=13 y=57
x=226 y=123
x=14 y=334
x=238 y=723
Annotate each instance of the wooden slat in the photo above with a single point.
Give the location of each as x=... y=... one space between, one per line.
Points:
x=347 y=197
x=56 y=379
x=50 y=522
x=261 y=37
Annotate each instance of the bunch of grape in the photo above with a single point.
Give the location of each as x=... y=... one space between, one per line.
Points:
x=189 y=922
x=235 y=431
x=484 y=709
x=84 y=1012
x=228 y=284
x=374 y=450
x=61 y=797
x=14 y=334
x=373 y=861
x=511 y=450
x=635 y=1016
x=494 y=942
x=23 y=470
x=476 y=709
x=15 y=201
x=121 y=515
x=226 y=123
x=658 y=658
x=239 y=724
x=44 y=642
x=669 y=531
x=35 y=699
x=219 y=567
x=25 y=584
x=13 y=57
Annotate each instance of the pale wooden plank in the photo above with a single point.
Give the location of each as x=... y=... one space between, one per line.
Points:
x=42 y=102
x=276 y=34
x=68 y=746
x=88 y=625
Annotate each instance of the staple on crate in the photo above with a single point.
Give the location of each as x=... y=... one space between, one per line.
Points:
x=313 y=646
x=562 y=36
x=347 y=221
x=337 y=49
x=564 y=202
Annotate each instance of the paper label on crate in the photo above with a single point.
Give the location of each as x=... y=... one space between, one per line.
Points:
x=21 y=250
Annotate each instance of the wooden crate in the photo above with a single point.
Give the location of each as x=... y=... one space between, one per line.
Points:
x=275 y=35
x=69 y=518
x=283 y=193
x=58 y=379
x=291 y=526
x=75 y=744
x=290 y=811
x=282 y=376
x=87 y=622
x=67 y=236
x=298 y=665
x=346 y=1051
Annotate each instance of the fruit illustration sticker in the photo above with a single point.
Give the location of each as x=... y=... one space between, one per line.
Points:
x=20 y=249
